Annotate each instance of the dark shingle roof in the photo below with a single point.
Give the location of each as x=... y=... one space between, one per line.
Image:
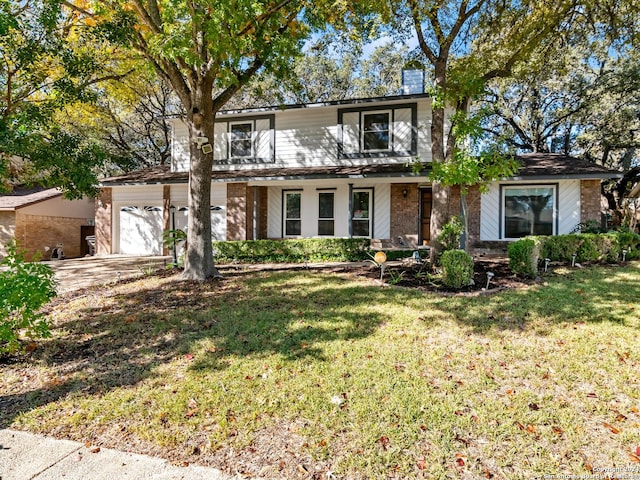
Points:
x=534 y=166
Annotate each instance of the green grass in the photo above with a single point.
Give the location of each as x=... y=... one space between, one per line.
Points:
x=346 y=376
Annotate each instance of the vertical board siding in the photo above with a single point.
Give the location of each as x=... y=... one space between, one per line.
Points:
x=220 y=141
x=568 y=206
x=490 y=214
x=263 y=139
x=351 y=132
x=274 y=212
x=382 y=211
x=179 y=147
x=402 y=130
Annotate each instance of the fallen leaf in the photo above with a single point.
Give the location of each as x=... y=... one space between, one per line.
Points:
x=423 y=428
x=422 y=464
x=510 y=391
x=557 y=430
x=189 y=356
x=634 y=458
x=634 y=409
x=460 y=459
x=95 y=450
x=531 y=428
x=638 y=451
x=534 y=406
x=621 y=417
x=592 y=395
x=193 y=403
x=520 y=426
x=588 y=467
x=303 y=470
x=384 y=441
x=191 y=413
x=31 y=347
x=611 y=427
x=486 y=473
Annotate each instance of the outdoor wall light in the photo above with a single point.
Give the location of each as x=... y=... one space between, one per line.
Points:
x=405 y=192
x=546 y=263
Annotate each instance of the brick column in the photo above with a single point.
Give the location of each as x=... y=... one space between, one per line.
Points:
x=104 y=222
x=237 y=211
x=590 y=198
x=473 y=214
x=263 y=207
x=405 y=213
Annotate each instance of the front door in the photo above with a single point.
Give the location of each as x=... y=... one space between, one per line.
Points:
x=425 y=216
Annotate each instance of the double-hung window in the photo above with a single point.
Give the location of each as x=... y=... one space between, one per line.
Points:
x=241 y=140
x=292 y=214
x=325 y=213
x=376 y=132
x=528 y=210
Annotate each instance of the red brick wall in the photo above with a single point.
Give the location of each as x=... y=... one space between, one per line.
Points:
x=590 y=198
x=104 y=222
x=405 y=213
x=263 y=201
x=473 y=215
x=237 y=217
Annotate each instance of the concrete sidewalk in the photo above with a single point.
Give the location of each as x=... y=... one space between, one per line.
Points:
x=25 y=456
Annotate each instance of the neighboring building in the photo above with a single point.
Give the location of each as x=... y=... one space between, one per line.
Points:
x=336 y=169
x=40 y=219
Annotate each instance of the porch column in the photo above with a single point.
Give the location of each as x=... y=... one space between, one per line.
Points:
x=350 y=226
x=104 y=222
x=237 y=211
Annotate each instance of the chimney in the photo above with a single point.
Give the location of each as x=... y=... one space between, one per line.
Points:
x=412 y=81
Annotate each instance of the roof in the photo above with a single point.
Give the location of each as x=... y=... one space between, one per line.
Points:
x=535 y=166
x=22 y=197
x=545 y=165
x=162 y=174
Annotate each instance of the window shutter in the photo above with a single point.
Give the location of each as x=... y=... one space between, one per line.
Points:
x=220 y=141
x=350 y=133
x=264 y=140
x=402 y=131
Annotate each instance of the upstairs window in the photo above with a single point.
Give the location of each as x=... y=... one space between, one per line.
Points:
x=241 y=140
x=375 y=132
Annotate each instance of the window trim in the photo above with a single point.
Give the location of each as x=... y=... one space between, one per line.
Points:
x=253 y=119
x=391 y=152
x=501 y=211
x=371 y=191
x=284 y=212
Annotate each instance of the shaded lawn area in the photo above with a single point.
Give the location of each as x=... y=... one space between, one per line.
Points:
x=314 y=375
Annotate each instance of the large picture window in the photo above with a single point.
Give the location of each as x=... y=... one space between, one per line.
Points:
x=529 y=210
x=292 y=214
x=241 y=140
x=325 y=213
x=361 y=218
x=375 y=132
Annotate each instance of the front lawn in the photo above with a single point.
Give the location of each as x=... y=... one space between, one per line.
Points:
x=315 y=375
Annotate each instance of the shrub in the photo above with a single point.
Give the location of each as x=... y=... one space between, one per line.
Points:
x=24 y=288
x=450 y=234
x=524 y=255
x=457 y=268
x=292 y=251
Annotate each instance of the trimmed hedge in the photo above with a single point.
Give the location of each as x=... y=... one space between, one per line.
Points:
x=292 y=251
x=457 y=268
x=525 y=253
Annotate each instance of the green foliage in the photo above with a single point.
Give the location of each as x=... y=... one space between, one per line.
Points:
x=524 y=255
x=450 y=234
x=292 y=251
x=170 y=238
x=24 y=288
x=457 y=268
x=588 y=247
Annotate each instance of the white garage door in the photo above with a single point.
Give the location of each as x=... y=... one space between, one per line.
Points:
x=141 y=230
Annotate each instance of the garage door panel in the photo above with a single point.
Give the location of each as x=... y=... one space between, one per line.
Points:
x=141 y=230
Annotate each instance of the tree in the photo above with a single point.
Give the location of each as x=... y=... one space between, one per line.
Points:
x=207 y=51
x=467 y=44
x=45 y=65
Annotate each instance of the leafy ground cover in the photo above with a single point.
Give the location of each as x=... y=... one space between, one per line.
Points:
x=324 y=375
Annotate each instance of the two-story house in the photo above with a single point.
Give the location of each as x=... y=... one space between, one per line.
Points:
x=336 y=169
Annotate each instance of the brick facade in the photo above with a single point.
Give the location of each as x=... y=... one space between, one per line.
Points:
x=35 y=232
x=237 y=214
x=590 y=201
x=104 y=222
x=405 y=213
x=473 y=215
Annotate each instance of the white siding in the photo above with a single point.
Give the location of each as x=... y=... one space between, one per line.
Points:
x=569 y=206
x=306 y=137
x=274 y=212
x=263 y=138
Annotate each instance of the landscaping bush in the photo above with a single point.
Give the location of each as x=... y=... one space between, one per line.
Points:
x=24 y=288
x=457 y=268
x=524 y=255
x=292 y=251
x=589 y=247
x=450 y=234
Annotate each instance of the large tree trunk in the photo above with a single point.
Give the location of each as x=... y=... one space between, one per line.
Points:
x=198 y=263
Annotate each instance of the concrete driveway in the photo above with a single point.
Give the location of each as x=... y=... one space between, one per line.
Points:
x=76 y=273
